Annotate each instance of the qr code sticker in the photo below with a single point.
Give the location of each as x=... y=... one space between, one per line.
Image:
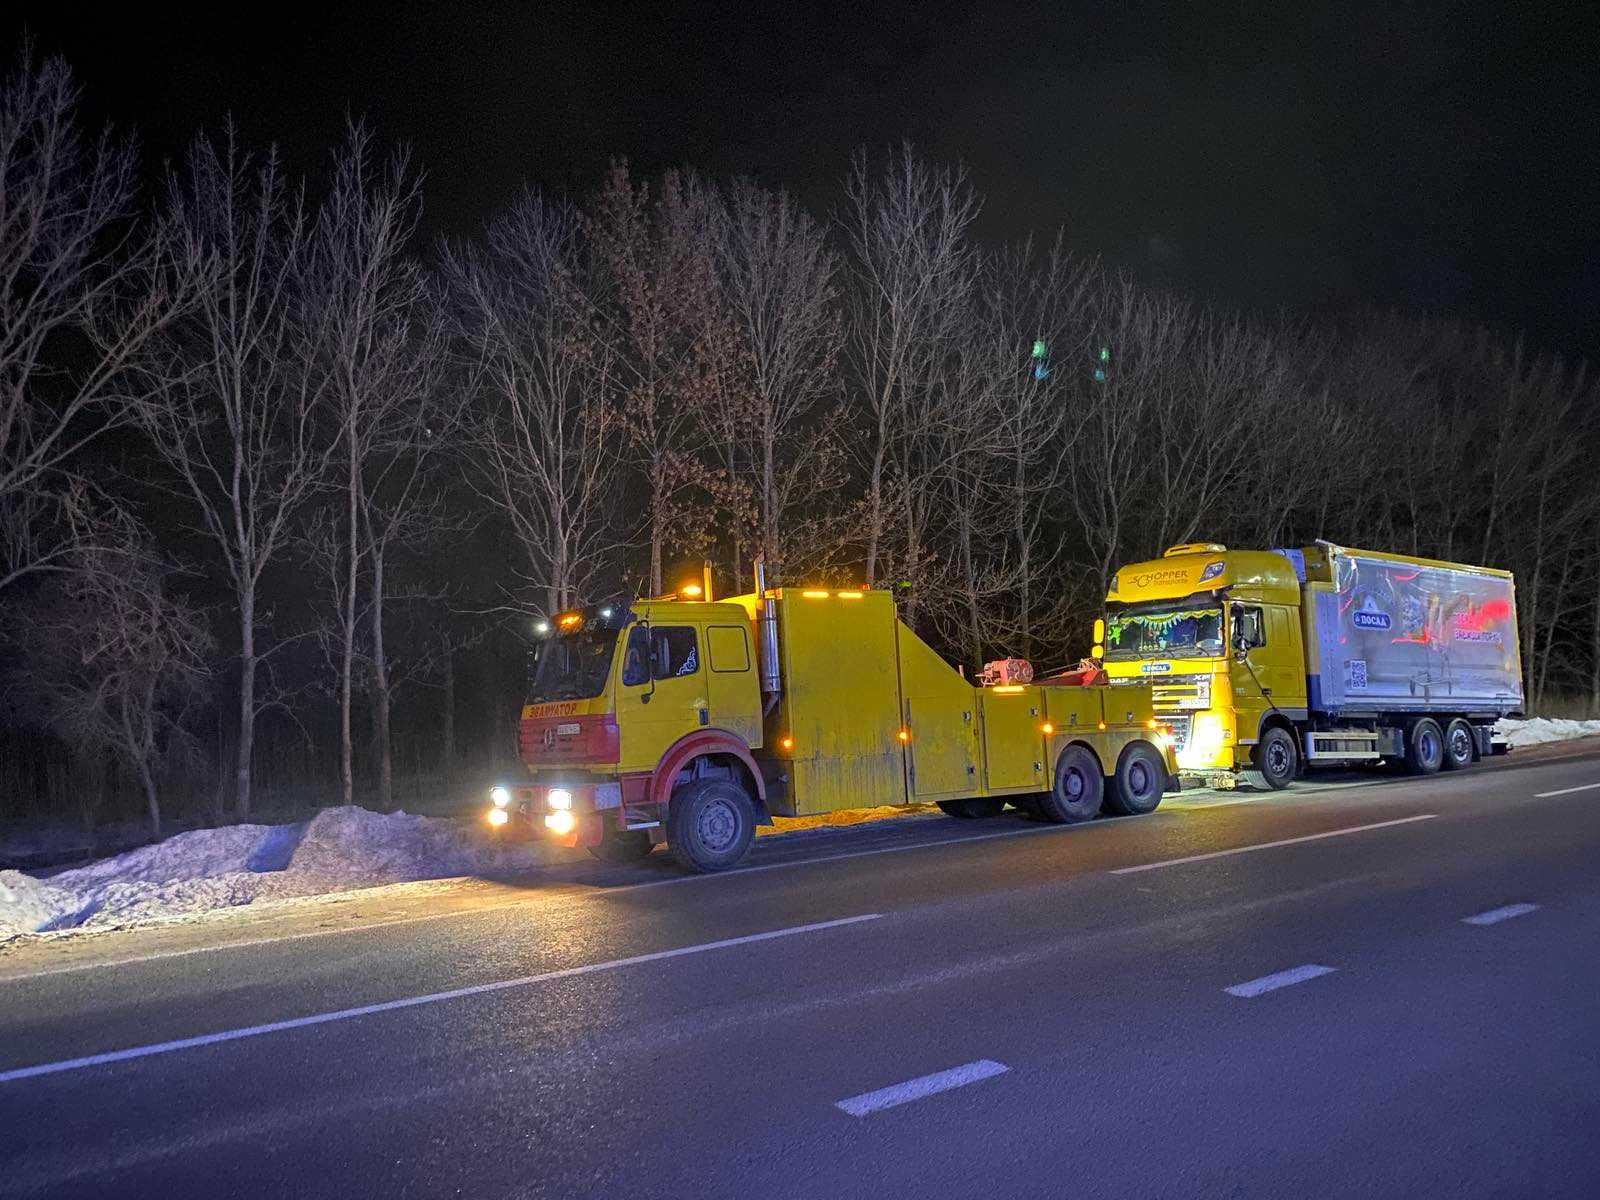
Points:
x=1358 y=673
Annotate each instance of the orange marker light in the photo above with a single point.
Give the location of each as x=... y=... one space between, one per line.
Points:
x=848 y=595
x=1047 y=728
x=568 y=620
x=815 y=595
x=1007 y=689
x=787 y=743
x=1102 y=724
x=904 y=735
x=691 y=590
x=1151 y=724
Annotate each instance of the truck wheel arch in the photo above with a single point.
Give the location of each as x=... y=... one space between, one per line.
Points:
x=718 y=748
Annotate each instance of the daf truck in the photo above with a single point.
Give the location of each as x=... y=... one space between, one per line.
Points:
x=1275 y=661
x=689 y=722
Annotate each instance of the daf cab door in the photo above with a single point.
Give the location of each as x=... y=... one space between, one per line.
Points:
x=662 y=691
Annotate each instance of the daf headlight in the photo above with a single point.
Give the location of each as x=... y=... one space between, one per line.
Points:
x=498 y=816
x=560 y=798
x=560 y=822
x=500 y=796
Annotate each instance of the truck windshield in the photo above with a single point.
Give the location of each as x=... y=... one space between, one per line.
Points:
x=1185 y=631
x=572 y=666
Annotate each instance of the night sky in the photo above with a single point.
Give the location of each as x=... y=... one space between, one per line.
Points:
x=1319 y=158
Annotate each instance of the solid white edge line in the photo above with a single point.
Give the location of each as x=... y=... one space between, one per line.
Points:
x=1310 y=837
x=1584 y=787
x=1281 y=979
x=1495 y=915
x=557 y=890
x=345 y=1014
x=921 y=1087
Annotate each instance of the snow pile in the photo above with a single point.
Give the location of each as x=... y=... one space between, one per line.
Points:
x=1538 y=730
x=338 y=850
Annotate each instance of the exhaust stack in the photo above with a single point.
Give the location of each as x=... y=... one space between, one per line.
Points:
x=767 y=641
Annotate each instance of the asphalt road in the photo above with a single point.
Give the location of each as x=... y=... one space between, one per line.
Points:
x=1390 y=990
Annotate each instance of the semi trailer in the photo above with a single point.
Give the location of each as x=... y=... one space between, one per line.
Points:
x=1275 y=661
x=691 y=721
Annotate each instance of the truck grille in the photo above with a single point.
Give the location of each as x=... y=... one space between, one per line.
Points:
x=1177 y=723
x=1172 y=694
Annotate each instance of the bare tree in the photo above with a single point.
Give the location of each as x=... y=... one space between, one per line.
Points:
x=662 y=278
x=238 y=413
x=778 y=279
x=911 y=267
x=381 y=346
x=111 y=662
x=547 y=446
x=83 y=288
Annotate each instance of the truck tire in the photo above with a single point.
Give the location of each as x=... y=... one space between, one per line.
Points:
x=1458 y=745
x=1277 y=757
x=1424 y=747
x=622 y=846
x=1078 y=790
x=710 y=823
x=973 y=808
x=1140 y=780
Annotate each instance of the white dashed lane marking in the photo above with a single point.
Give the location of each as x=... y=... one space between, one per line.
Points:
x=921 y=1087
x=1586 y=787
x=1283 y=979
x=1495 y=915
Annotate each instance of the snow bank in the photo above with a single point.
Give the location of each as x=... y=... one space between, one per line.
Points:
x=339 y=849
x=1538 y=730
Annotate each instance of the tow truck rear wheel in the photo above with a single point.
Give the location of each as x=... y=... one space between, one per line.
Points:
x=1140 y=779
x=622 y=846
x=1078 y=790
x=1458 y=745
x=1425 y=747
x=974 y=807
x=710 y=823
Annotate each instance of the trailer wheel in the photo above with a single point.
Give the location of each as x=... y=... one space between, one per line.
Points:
x=1140 y=779
x=622 y=846
x=1458 y=745
x=973 y=808
x=1277 y=757
x=1424 y=747
x=1078 y=790
x=710 y=823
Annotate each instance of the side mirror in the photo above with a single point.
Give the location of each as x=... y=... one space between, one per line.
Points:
x=1241 y=645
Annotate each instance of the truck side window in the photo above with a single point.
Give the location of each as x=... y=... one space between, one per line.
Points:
x=728 y=648
x=1247 y=624
x=672 y=651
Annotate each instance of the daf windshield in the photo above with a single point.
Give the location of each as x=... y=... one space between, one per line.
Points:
x=572 y=666
x=1164 y=631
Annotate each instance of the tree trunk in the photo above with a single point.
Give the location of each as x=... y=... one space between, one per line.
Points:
x=347 y=652
x=247 y=700
x=448 y=734
x=380 y=689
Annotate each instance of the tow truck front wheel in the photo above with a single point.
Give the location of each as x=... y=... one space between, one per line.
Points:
x=622 y=846
x=710 y=823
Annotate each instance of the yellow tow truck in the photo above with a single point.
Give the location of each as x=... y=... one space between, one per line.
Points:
x=690 y=721
x=1274 y=661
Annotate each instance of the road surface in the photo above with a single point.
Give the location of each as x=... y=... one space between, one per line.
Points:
x=1389 y=990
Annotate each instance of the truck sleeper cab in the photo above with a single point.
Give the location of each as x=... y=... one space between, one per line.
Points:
x=692 y=722
x=1274 y=661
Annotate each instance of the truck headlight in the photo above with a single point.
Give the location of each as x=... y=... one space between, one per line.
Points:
x=560 y=822
x=501 y=797
x=498 y=816
x=560 y=798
